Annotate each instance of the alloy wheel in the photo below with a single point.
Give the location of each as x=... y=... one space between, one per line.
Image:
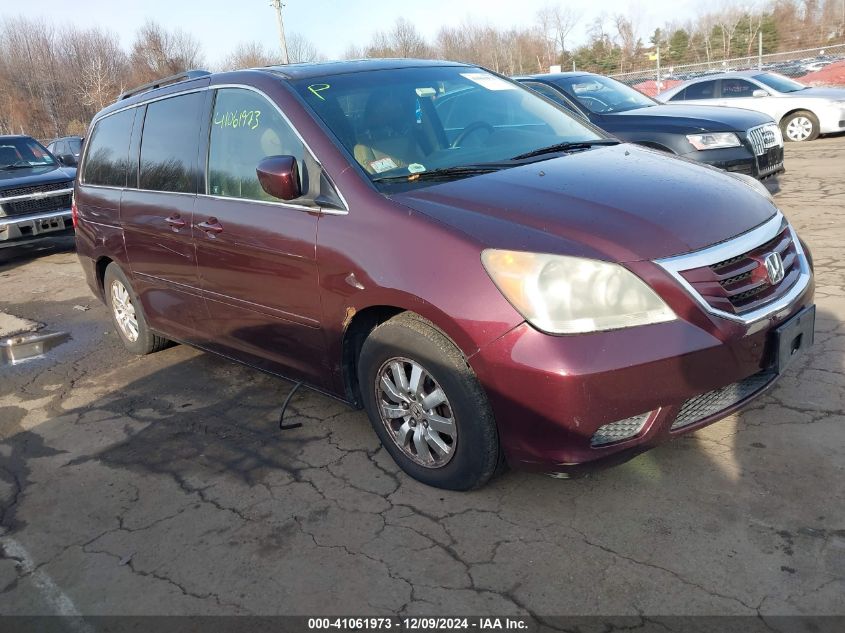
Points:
x=124 y=311
x=416 y=412
x=799 y=128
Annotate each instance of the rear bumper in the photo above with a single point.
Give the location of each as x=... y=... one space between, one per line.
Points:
x=16 y=229
x=551 y=394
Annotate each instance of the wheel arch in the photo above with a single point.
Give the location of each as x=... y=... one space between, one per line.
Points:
x=100 y=267
x=359 y=324
x=795 y=110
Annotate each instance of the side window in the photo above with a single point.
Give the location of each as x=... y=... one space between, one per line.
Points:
x=680 y=96
x=736 y=88
x=107 y=158
x=169 y=144
x=245 y=129
x=701 y=90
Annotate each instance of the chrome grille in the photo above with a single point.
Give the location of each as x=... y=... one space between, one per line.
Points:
x=740 y=284
x=764 y=137
x=710 y=403
x=36 y=204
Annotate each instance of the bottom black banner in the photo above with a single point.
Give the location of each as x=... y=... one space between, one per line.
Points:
x=528 y=624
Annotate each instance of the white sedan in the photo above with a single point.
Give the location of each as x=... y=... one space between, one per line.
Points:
x=803 y=112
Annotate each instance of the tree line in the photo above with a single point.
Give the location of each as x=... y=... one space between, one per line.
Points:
x=54 y=79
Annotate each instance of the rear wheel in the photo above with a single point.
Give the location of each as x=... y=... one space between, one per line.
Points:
x=128 y=315
x=427 y=406
x=800 y=126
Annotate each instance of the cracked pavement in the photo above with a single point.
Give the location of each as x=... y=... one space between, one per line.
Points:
x=161 y=485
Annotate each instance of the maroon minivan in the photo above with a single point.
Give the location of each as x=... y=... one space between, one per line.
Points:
x=493 y=280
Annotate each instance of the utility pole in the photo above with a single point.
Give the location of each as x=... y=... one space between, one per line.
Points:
x=277 y=5
x=658 y=67
x=760 y=50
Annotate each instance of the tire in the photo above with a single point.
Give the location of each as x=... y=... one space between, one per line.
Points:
x=123 y=302
x=461 y=455
x=800 y=126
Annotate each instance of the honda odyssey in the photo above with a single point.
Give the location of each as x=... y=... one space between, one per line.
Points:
x=494 y=280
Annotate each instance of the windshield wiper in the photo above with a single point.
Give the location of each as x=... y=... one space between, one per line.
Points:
x=17 y=165
x=446 y=172
x=565 y=147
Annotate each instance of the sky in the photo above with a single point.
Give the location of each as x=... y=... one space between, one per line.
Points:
x=332 y=26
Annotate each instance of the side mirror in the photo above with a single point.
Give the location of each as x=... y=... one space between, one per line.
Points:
x=279 y=176
x=68 y=160
x=759 y=93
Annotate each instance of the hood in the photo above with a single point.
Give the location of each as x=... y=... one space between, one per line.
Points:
x=14 y=178
x=692 y=117
x=618 y=203
x=835 y=94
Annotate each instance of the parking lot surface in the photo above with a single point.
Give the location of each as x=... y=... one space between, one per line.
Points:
x=162 y=485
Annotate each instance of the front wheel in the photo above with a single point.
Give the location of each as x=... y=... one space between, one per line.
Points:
x=800 y=126
x=427 y=406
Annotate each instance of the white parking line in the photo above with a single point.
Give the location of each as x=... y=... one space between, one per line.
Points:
x=58 y=601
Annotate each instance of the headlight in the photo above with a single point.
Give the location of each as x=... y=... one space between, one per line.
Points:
x=572 y=295
x=713 y=140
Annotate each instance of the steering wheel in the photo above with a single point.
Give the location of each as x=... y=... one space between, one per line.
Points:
x=470 y=129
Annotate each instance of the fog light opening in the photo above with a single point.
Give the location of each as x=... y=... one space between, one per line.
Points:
x=620 y=430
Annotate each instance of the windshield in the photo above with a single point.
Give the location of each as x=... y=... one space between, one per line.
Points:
x=602 y=95
x=415 y=120
x=23 y=152
x=779 y=82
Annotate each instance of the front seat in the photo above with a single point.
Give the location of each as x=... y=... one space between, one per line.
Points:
x=387 y=138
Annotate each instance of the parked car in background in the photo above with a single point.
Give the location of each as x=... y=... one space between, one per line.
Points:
x=35 y=191
x=731 y=139
x=490 y=277
x=803 y=112
x=67 y=149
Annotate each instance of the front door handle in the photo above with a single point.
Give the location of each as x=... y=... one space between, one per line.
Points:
x=211 y=227
x=175 y=222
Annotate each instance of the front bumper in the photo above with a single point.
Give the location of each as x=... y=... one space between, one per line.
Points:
x=741 y=160
x=832 y=119
x=16 y=229
x=551 y=394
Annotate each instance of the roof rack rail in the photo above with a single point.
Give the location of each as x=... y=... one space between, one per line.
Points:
x=158 y=83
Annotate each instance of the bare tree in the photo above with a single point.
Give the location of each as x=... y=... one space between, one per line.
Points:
x=556 y=23
x=251 y=55
x=158 y=52
x=302 y=50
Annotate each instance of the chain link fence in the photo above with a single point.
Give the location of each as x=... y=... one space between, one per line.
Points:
x=813 y=66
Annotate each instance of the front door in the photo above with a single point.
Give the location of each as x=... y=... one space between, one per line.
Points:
x=157 y=212
x=256 y=255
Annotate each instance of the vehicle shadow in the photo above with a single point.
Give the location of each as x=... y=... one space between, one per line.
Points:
x=11 y=256
x=732 y=517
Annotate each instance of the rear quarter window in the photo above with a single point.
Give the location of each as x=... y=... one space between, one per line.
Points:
x=107 y=160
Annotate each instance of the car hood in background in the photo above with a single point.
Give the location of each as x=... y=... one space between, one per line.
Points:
x=618 y=203
x=692 y=117
x=837 y=94
x=29 y=177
